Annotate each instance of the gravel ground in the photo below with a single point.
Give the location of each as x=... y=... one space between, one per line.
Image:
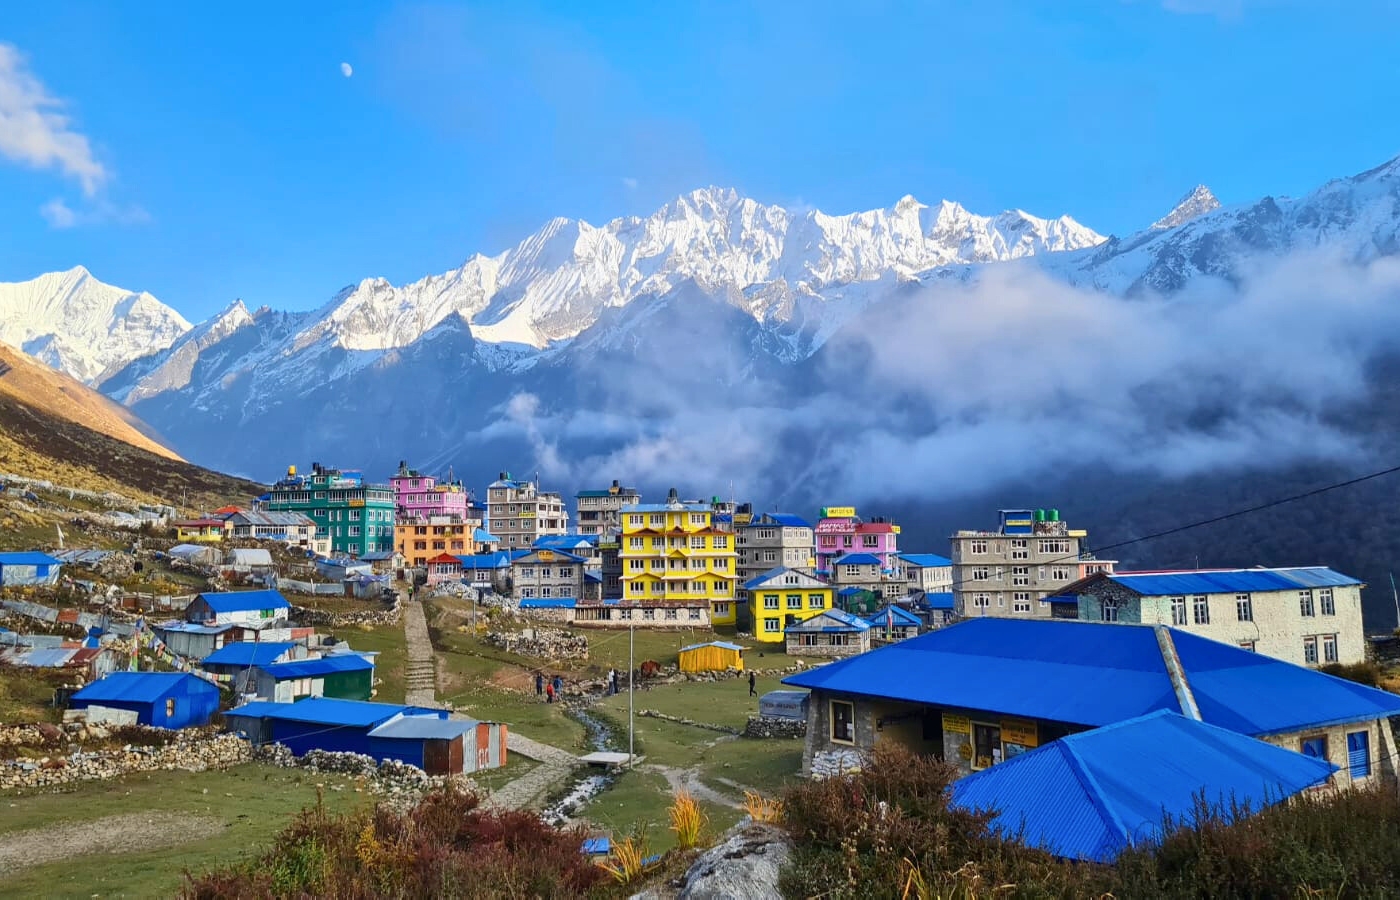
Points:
x=114 y=834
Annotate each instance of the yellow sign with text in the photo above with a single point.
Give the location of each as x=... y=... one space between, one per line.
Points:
x=838 y=512
x=957 y=724
x=1019 y=731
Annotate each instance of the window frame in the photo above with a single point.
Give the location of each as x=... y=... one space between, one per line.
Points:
x=851 y=721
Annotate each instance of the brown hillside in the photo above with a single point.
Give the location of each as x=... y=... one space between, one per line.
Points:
x=37 y=444
x=36 y=385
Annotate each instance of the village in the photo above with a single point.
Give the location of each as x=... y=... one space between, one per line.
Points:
x=373 y=639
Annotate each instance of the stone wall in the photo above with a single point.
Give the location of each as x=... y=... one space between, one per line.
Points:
x=389 y=615
x=681 y=720
x=191 y=750
x=546 y=643
x=774 y=727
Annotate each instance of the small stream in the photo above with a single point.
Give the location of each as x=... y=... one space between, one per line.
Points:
x=584 y=787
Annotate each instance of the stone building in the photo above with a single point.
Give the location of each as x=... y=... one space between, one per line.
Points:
x=518 y=512
x=599 y=512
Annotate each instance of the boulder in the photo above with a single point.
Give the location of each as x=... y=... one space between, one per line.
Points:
x=744 y=867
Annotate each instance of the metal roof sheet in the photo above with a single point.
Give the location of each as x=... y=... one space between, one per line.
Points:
x=1226 y=581
x=28 y=558
x=939 y=600
x=311 y=668
x=1075 y=798
x=804 y=581
x=142 y=687
x=560 y=556
x=548 y=602
x=418 y=728
x=1052 y=670
x=902 y=617
x=858 y=559
x=244 y=601
x=724 y=645
x=248 y=653
x=926 y=560
x=831 y=620
x=328 y=711
x=498 y=560
x=787 y=520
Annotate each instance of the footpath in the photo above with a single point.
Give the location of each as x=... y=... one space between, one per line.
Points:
x=555 y=765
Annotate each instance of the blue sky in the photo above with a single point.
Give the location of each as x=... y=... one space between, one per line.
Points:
x=211 y=152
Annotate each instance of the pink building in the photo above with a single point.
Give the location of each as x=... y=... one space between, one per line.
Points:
x=840 y=532
x=419 y=496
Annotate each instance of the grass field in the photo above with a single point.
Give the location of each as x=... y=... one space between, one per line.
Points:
x=26 y=694
x=247 y=805
x=389 y=665
x=639 y=801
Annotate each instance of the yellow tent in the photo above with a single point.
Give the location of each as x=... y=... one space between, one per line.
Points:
x=716 y=656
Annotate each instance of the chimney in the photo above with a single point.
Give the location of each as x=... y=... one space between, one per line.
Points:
x=672 y=498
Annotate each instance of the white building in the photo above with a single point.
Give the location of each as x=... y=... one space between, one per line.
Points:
x=250 y=609
x=1310 y=616
x=518 y=512
x=294 y=529
x=927 y=572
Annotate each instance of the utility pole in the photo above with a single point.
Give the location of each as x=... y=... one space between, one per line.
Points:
x=1396 y=596
x=631 y=687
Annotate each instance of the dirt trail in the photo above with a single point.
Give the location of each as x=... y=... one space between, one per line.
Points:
x=115 y=834
x=689 y=780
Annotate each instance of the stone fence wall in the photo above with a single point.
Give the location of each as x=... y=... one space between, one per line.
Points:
x=774 y=727
x=680 y=720
x=546 y=643
x=389 y=615
x=192 y=750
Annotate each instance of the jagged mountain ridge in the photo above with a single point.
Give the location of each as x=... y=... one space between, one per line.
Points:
x=83 y=327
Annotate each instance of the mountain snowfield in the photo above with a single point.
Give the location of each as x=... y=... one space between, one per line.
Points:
x=715 y=306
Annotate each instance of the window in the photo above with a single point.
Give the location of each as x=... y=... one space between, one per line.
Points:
x=1054 y=546
x=816 y=601
x=1315 y=746
x=658 y=519
x=1021 y=576
x=530 y=592
x=527 y=572
x=869 y=540
x=1108 y=611
x=1059 y=573
x=1200 y=609
x=722 y=565
x=794 y=601
x=843 y=722
x=1310 y=650
x=1178 y=610
x=1246 y=645
x=981 y=574
x=566 y=572
x=1305 y=603
x=420 y=545
x=671 y=614
x=169 y=707
x=721 y=542
x=770 y=601
x=1325 y=596
x=767 y=534
x=636 y=543
x=697 y=543
x=1244 y=608
x=648 y=614
x=355 y=531
x=697 y=518
x=846 y=540
x=695 y=613
x=1359 y=754
x=770 y=555
x=625 y=613
x=986 y=745
x=982 y=601
x=770 y=624
x=1329 y=648
x=721 y=609
x=546 y=592
x=977 y=548
x=697 y=562
x=658 y=543
x=1019 y=549
x=636 y=520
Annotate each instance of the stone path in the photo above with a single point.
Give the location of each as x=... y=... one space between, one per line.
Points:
x=528 y=790
x=420 y=670
x=129 y=833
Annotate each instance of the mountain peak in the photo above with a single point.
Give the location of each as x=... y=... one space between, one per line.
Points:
x=1197 y=202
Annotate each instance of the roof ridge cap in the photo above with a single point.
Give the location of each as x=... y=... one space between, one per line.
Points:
x=1094 y=791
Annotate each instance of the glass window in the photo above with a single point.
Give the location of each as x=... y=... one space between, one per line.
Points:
x=1315 y=746
x=770 y=624
x=1305 y=603
x=794 y=601
x=770 y=601
x=1244 y=608
x=1329 y=648
x=1178 y=610
x=1200 y=608
x=843 y=722
x=1324 y=596
x=1310 y=650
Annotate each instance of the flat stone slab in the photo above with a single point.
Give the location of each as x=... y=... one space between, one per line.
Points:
x=608 y=758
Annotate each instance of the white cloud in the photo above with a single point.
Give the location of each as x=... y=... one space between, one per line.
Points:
x=346 y=70
x=34 y=130
x=59 y=214
x=629 y=183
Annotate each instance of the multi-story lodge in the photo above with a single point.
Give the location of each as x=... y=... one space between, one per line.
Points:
x=841 y=532
x=419 y=496
x=418 y=540
x=600 y=512
x=1011 y=571
x=518 y=512
x=1307 y=616
x=775 y=539
x=297 y=530
x=357 y=517
x=547 y=574
x=673 y=551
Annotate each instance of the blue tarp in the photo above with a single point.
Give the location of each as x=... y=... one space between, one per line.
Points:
x=1090 y=795
x=164 y=699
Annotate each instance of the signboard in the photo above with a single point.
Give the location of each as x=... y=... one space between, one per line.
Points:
x=1019 y=731
x=838 y=512
x=546 y=555
x=357 y=503
x=957 y=724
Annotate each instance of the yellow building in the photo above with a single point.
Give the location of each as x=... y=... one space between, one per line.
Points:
x=201 y=531
x=716 y=656
x=672 y=551
x=781 y=597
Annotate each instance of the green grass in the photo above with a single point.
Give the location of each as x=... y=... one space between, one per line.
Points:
x=642 y=799
x=495 y=779
x=26 y=695
x=389 y=665
x=723 y=702
x=524 y=714
x=765 y=766
x=253 y=802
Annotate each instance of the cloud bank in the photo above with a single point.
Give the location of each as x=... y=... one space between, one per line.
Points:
x=34 y=130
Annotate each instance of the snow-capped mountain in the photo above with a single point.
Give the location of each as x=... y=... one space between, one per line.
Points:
x=82 y=327
x=1197 y=202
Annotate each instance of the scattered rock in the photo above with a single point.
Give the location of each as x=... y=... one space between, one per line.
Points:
x=743 y=867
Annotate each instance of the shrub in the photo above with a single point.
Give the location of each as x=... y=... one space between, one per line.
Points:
x=1365 y=672
x=445 y=845
x=627 y=859
x=687 y=820
x=761 y=808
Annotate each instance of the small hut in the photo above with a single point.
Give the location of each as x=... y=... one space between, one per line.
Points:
x=715 y=656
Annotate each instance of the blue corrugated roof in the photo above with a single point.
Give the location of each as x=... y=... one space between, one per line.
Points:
x=244 y=601
x=418 y=728
x=903 y=618
x=787 y=520
x=722 y=644
x=192 y=628
x=498 y=560
x=141 y=687
x=548 y=602
x=325 y=711
x=554 y=541
x=1052 y=670
x=248 y=653
x=831 y=620
x=313 y=668
x=560 y=555
x=598 y=846
x=1076 y=798
x=591 y=575
x=482 y=536
x=940 y=600
x=28 y=558
x=858 y=559
x=927 y=560
x=1170 y=584
x=851 y=591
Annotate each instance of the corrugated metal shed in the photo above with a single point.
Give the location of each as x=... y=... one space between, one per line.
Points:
x=144 y=686
x=423 y=728
x=1090 y=795
x=1053 y=669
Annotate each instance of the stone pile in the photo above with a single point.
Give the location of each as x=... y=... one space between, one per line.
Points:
x=195 y=753
x=546 y=643
x=832 y=763
x=680 y=720
x=389 y=615
x=774 y=727
x=390 y=776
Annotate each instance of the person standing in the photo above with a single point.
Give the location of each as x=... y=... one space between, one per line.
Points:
x=539 y=684
x=752 y=680
x=558 y=687
x=549 y=692
x=612 y=677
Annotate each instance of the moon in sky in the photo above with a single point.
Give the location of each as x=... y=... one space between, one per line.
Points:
x=346 y=70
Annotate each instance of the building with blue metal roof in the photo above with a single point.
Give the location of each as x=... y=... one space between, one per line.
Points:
x=927 y=572
x=252 y=609
x=1076 y=797
x=1305 y=615
x=28 y=567
x=162 y=699
x=832 y=632
x=893 y=623
x=345 y=676
x=984 y=688
x=239 y=655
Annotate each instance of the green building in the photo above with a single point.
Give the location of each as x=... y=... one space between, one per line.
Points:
x=357 y=517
